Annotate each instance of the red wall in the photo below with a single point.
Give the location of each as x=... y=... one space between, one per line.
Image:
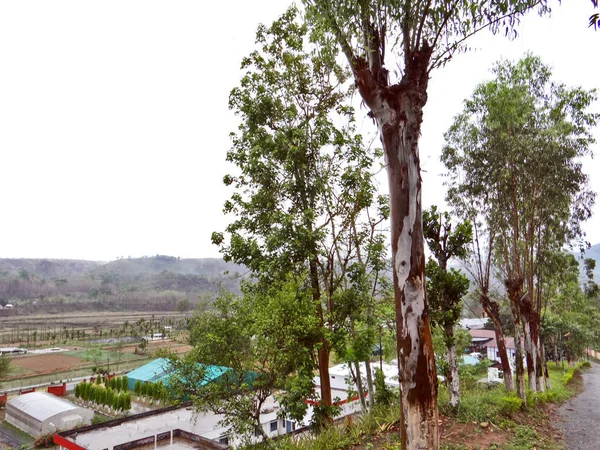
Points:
x=59 y=391
x=64 y=442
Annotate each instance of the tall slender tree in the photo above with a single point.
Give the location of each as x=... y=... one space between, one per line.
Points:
x=303 y=178
x=446 y=286
x=422 y=35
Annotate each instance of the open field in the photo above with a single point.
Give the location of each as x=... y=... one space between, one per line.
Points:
x=47 y=363
x=35 y=330
x=31 y=370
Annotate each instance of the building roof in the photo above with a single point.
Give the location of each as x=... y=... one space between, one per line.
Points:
x=470 y=360
x=491 y=334
x=473 y=324
x=41 y=405
x=158 y=370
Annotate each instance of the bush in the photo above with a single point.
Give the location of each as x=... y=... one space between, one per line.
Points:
x=510 y=404
x=383 y=394
x=568 y=377
x=44 y=441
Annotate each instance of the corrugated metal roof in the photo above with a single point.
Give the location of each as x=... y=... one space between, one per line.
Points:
x=158 y=370
x=41 y=405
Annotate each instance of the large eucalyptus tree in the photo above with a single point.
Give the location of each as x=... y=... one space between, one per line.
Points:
x=446 y=286
x=416 y=36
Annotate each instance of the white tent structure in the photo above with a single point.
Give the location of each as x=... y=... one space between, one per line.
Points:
x=39 y=413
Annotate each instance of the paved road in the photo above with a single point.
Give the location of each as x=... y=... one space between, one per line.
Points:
x=580 y=416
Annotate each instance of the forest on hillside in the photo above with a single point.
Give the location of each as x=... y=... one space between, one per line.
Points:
x=157 y=283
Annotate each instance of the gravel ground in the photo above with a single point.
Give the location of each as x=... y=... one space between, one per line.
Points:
x=10 y=439
x=580 y=416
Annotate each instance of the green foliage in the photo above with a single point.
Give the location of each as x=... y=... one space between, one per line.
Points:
x=99 y=418
x=4 y=366
x=510 y=404
x=261 y=339
x=91 y=392
x=44 y=441
x=568 y=376
x=384 y=396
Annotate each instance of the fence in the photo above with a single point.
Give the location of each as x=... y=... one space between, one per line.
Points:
x=58 y=377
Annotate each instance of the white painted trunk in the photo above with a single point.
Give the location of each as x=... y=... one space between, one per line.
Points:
x=530 y=349
x=519 y=372
x=454 y=384
x=370 y=383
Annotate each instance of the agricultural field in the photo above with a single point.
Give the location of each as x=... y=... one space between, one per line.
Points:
x=85 y=343
x=79 y=327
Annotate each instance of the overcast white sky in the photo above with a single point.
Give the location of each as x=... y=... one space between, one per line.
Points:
x=114 y=120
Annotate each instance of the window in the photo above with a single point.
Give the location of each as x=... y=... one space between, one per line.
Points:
x=497 y=354
x=289 y=426
x=273 y=426
x=256 y=431
x=224 y=440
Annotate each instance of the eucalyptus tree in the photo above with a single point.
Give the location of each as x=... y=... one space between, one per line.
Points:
x=421 y=35
x=303 y=177
x=446 y=286
x=480 y=265
x=517 y=148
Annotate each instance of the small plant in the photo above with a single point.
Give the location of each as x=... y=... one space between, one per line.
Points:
x=507 y=424
x=510 y=404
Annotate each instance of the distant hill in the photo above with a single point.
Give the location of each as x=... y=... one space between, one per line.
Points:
x=160 y=263
x=47 y=268
x=594 y=253
x=150 y=283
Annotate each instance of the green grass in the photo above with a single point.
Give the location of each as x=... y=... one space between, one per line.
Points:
x=478 y=404
x=102 y=357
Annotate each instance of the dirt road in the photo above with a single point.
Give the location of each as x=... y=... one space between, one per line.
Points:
x=580 y=416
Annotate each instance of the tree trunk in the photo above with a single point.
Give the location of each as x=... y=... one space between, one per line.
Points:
x=359 y=385
x=323 y=354
x=453 y=380
x=416 y=362
x=398 y=112
x=530 y=354
x=493 y=311
x=370 y=383
x=546 y=374
x=519 y=369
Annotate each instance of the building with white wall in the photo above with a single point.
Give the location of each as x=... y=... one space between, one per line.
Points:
x=39 y=413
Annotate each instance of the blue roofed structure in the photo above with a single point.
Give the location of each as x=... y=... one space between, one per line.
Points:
x=158 y=370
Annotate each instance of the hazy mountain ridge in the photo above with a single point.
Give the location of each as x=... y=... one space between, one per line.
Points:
x=149 y=283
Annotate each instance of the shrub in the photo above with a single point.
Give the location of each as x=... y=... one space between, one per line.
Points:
x=510 y=404
x=383 y=394
x=44 y=441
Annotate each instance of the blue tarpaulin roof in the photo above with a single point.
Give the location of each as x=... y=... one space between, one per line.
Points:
x=470 y=360
x=158 y=370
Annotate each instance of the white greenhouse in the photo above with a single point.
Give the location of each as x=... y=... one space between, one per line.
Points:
x=39 y=413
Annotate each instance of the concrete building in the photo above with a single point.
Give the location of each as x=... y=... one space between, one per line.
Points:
x=484 y=341
x=39 y=413
x=473 y=324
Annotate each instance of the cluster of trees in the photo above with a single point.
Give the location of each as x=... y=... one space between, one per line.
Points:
x=308 y=222
x=118 y=383
x=96 y=394
x=151 y=391
x=35 y=333
x=4 y=367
